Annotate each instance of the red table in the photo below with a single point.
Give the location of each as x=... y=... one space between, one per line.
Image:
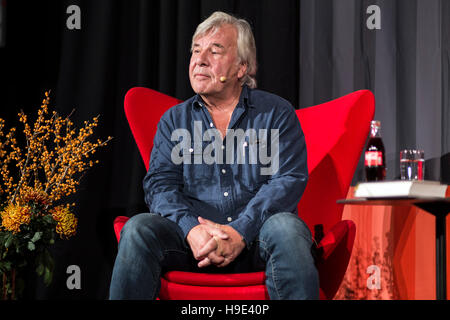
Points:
x=438 y=207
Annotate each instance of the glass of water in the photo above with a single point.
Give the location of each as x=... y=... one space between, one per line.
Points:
x=412 y=164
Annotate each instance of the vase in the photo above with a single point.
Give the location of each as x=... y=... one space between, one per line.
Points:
x=9 y=285
x=18 y=284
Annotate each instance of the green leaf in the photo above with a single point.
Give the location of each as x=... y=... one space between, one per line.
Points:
x=48 y=259
x=40 y=269
x=9 y=240
x=31 y=246
x=37 y=236
x=48 y=276
x=49 y=219
x=5 y=266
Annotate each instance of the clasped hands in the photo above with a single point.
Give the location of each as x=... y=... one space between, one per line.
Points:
x=214 y=244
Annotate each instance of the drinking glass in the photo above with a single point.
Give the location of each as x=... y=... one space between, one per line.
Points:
x=412 y=164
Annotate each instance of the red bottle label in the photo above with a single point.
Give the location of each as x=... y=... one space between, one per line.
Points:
x=373 y=158
x=420 y=170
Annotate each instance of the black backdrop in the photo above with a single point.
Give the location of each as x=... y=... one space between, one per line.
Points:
x=303 y=56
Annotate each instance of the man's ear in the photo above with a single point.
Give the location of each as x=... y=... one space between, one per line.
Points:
x=242 y=70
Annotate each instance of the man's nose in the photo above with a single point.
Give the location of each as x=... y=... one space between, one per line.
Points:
x=202 y=58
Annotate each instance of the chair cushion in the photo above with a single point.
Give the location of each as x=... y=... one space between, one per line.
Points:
x=176 y=291
x=216 y=280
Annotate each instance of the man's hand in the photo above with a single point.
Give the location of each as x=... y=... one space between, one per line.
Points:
x=228 y=248
x=203 y=241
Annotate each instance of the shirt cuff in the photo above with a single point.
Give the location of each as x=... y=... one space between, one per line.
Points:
x=246 y=229
x=187 y=223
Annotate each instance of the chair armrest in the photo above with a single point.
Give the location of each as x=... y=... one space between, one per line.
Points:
x=335 y=250
x=118 y=223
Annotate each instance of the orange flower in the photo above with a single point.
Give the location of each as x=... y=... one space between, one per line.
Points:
x=38 y=197
x=14 y=216
x=67 y=222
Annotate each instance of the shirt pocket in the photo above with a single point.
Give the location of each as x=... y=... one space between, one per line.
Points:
x=250 y=171
x=195 y=170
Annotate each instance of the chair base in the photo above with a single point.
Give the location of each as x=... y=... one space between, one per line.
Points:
x=176 y=291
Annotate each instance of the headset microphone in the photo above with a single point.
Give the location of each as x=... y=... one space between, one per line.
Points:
x=223 y=79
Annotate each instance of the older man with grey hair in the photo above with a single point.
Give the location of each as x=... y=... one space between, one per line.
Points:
x=218 y=201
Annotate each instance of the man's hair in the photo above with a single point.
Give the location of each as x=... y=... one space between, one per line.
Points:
x=246 y=48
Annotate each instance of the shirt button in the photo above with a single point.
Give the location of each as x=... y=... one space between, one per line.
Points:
x=225 y=194
x=229 y=219
x=191 y=150
x=223 y=147
x=224 y=171
x=211 y=124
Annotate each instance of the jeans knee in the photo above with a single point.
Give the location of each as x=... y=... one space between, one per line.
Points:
x=286 y=227
x=143 y=225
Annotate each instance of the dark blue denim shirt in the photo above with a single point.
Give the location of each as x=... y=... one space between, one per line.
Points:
x=236 y=181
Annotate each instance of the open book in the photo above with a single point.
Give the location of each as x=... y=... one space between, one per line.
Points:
x=401 y=189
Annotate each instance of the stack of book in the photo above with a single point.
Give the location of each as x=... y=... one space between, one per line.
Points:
x=401 y=189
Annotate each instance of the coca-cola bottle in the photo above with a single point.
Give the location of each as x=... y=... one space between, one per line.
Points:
x=375 y=159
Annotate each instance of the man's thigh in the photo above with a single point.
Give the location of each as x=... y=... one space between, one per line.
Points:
x=165 y=238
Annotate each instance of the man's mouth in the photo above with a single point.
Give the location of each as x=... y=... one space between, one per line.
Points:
x=201 y=76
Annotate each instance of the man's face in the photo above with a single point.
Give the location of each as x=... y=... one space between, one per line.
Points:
x=214 y=55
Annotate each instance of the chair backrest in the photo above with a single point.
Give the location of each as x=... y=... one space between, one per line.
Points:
x=335 y=134
x=143 y=109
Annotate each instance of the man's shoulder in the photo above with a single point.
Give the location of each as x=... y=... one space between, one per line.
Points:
x=264 y=99
x=178 y=111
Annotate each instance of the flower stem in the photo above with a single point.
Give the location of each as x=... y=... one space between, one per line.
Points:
x=4 y=286
x=13 y=284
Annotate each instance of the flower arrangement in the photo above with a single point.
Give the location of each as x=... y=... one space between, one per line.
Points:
x=34 y=182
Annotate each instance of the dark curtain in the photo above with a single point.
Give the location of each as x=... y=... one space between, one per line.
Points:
x=309 y=52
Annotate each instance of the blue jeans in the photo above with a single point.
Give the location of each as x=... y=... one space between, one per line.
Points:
x=150 y=245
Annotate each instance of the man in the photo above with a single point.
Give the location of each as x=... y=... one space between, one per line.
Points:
x=218 y=201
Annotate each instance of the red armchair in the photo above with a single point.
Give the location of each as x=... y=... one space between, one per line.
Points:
x=335 y=134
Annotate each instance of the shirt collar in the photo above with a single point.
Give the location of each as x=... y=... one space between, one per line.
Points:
x=244 y=99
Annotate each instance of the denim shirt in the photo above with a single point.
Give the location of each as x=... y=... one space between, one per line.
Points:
x=257 y=170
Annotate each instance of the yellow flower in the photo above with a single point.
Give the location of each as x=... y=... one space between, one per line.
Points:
x=14 y=216
x=67 y=222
